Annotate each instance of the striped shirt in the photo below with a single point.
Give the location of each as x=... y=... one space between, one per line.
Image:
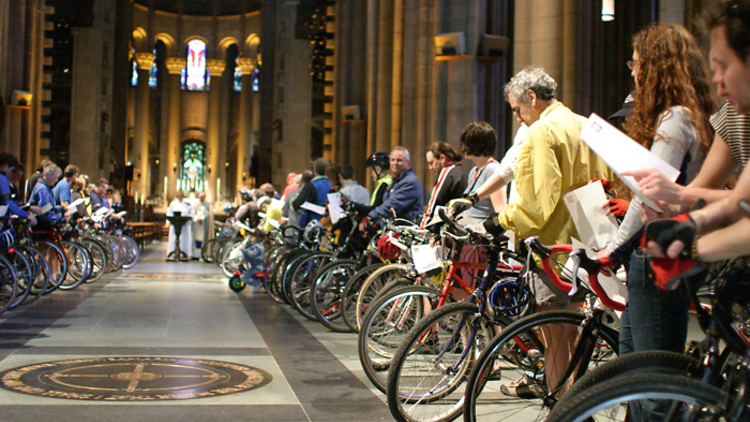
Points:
x=734 y=129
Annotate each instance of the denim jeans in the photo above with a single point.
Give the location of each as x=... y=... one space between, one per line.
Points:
x=654 y=319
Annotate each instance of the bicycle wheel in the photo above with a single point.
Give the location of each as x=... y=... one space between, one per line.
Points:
x=41 y=274
x=327 y=290
x=78 y=265
x=351 y=291
x=426 y=378
x=679 y=399
x=652 y=361
x=232 y=258
x=132 y=253
x=56 y=261
x=273 y=287
x=8 y=284
x=24 y=275
x=300 y=279
x=206 y=248
x=374 y=283
x=386 y=325
x=98 y=259
x=510 y=379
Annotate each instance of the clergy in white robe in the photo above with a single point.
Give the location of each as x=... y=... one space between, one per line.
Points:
x=186 y=236
x=202 y=223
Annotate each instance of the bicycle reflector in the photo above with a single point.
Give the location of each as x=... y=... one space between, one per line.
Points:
x=236 y=284
x=388 y=250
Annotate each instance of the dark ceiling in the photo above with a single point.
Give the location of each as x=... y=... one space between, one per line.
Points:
x=204 y=7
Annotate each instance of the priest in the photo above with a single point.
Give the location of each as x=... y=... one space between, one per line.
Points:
x=202 y=223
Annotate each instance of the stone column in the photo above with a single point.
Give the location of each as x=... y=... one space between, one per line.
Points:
x=244 y=121
x=216 y=70
x=139 y=154
x=174 y=66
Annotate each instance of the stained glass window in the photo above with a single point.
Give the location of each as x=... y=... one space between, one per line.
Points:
x=134 y=76
x=196 y=66
x=152 y=79
x=256 y=84
x=183 y=77
x=237 y=79
x=192 y=175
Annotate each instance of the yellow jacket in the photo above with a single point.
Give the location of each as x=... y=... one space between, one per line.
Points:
x=553 y=161
x=273 y=212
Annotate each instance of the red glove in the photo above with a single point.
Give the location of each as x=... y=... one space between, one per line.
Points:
x=669 y=272
x=618 y=207
x=605 y=183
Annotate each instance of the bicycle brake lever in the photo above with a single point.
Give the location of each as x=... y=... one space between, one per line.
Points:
x=576 y=266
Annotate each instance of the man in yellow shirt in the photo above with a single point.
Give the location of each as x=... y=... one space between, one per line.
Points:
x=552 y=162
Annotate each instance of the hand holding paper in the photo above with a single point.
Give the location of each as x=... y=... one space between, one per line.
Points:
x=622 y=154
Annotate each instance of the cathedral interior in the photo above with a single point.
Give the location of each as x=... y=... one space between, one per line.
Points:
x=215 y=95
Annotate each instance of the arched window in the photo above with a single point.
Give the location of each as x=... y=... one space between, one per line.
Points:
x=196 y=66
x=192 y=171
x=237 y=79
x=153 y=82
x=134 y=75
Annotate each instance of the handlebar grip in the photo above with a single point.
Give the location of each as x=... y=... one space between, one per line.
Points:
x=460 y=230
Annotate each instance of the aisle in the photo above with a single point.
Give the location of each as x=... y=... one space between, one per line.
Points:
x=185 y=344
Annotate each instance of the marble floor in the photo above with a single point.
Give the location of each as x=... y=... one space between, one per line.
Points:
x=186 y=310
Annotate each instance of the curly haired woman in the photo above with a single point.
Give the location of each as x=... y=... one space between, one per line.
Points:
x=671 y=118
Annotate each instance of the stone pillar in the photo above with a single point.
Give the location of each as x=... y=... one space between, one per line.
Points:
x=139 y=155
x=216 y=70
x=174 y=66
x=385 y=76
x=244 y=121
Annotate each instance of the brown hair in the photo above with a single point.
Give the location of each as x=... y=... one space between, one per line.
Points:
x=734 y=16
x=478 y=139
x=332 y=173
x=673 y=72
x=443 y=148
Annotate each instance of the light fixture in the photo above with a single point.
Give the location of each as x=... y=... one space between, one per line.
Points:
x=608 y=10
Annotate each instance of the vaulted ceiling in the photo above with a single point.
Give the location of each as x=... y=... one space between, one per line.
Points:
x=204 y=7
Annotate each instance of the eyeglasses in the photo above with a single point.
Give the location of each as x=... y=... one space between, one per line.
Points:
x=632 y=64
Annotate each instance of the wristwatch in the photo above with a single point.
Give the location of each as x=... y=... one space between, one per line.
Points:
x=473 y=197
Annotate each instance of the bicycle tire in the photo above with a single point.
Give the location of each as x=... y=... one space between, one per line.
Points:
x=132 y=252
x=518 y=353
x=55 y=251
x=24 y=275
x=206 y=250
x=98 y=258
x=300 y=281
x=612 y=400
x=41 y=279
x=652 y=361
x=373 y=284
x=327 y=291
x=8 y=283
x=78 y=265
x=429 y=369
x=386 y=325
x=351 y=291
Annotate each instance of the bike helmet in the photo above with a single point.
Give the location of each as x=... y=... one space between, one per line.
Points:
x=313 y=230
x=380 y=159
x=227 y=207
x=388 y=250
x=246 y=194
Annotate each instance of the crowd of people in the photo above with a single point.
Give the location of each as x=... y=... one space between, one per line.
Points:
x=50 y=191
x=673 y=113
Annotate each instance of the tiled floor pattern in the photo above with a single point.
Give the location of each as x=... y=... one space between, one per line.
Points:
x=186 y=309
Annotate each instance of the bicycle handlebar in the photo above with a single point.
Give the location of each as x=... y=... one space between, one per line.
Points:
x=592 y=267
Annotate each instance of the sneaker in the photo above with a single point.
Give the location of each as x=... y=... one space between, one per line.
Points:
x=523 y=389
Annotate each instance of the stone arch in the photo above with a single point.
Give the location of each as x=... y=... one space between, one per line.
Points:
x=225 y=43
x=140 y=40
x=252 y=46
x=168 y=42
